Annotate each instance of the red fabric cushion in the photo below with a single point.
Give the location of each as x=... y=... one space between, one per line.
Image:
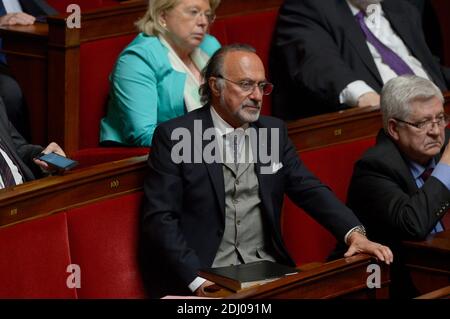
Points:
x=104 y=242
x=34 y=259
x=98 y=155
x=255 y=29
x=307 y=240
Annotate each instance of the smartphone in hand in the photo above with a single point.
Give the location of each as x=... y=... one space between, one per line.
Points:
x=57 y=161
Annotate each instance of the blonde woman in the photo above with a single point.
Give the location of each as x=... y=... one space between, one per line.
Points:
x=157 y=76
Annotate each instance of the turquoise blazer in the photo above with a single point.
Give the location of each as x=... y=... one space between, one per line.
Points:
x=145 y=91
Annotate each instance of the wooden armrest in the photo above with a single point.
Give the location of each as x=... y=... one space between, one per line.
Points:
x=443 y=293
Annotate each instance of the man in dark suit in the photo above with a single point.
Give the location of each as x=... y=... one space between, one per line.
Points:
x=217 y=179
x=331 y=54
x=15 y=12
x=17 y=156
x=392 y=191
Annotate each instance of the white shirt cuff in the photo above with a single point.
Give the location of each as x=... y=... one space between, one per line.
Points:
x=197 y=282
x=348 y=233
x=353 y=91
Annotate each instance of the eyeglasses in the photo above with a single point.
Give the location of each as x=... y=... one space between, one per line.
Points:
x=249 y=86
x=195 y=14
x=426 y=125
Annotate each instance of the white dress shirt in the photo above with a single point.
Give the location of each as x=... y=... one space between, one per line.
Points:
x=12 y=6
x=14 y=170
x=382 y=29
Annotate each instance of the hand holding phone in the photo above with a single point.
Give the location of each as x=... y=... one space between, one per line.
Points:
x=57 y=161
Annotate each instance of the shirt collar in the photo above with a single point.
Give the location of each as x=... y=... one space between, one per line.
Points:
x=356 y=10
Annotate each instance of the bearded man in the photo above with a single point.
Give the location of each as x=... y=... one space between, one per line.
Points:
x=203 y=213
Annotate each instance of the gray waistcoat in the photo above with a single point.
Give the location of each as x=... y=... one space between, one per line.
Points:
x=245 y=238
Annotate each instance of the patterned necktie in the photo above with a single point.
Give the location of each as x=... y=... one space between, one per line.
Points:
x=426 y=173
x=388 y=56
x=5 y=170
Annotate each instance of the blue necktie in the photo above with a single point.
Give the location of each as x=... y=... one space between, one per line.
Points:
x=2 y=13
x=388 y=56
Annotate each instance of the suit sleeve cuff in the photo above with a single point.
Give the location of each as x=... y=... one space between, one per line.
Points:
x=353 y=91
x=197 y=282
x=442 y=173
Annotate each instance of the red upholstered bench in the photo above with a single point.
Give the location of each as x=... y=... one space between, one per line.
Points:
x=97 y=59
x=34 y=258
x=306 y=240
x=100 y=238
x=103 y=240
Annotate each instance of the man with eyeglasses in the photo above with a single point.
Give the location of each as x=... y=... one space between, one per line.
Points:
x=400 y=188
x=227 y=210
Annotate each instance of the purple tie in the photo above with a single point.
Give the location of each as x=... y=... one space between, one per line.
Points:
x=388 y=56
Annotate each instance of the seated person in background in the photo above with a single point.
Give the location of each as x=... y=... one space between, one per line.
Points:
x=392 y=191
x=15 y=12
x=157 y=77
x=17 y=157
x=337 y=55
x=226 y=209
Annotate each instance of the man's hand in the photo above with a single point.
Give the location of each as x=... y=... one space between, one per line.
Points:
x=200 y=292
x=369 y=99
x=51 y=148
x=16 y=18
x=360 y=244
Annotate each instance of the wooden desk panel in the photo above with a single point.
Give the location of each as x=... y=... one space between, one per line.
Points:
x=429 y=261
x=77 y=188
x=343 y=278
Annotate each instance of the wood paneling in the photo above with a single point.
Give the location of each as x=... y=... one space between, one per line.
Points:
x=429 y=261
x=348 y=277
x=76 y=188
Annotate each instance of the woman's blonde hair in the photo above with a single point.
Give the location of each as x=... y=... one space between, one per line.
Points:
x=150 y=24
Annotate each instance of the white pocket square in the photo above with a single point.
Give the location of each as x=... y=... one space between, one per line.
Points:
x=276 y=167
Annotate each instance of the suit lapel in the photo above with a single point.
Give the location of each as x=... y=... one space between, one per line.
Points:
x=399 y=162
x=357 y=38
x=214 y=169
x=265 y=181
x=401 y=25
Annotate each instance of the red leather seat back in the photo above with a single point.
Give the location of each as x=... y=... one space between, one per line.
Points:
x=307 y=240
x=104 y=243
x=97 y=59
x=34 y=259
x=255 y=29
